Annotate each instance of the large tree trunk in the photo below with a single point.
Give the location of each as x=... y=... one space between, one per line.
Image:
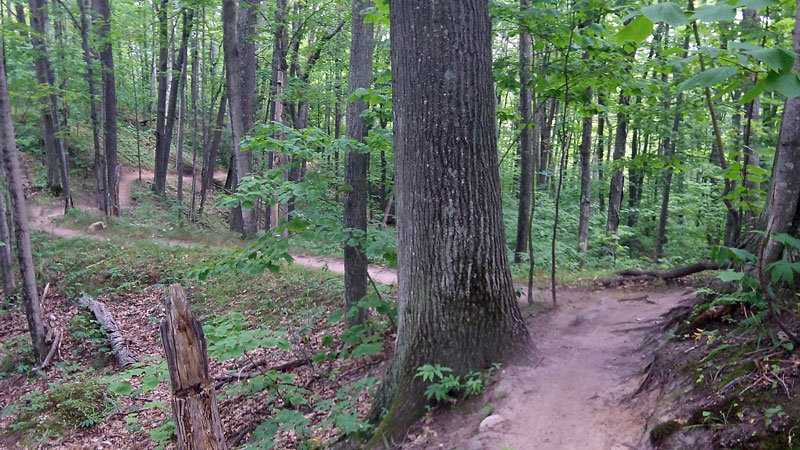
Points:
x=782 y=208
x=586 y=178
x=525 y=142
x=45 y=76
x=356 y=161
x=109 y=105
x=241 y=159
x=245 y=28
x=617 y=178
x=99 y=160
x=456 y=305
x=30 y=296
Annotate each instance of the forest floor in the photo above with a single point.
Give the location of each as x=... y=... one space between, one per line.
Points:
x=589 y=357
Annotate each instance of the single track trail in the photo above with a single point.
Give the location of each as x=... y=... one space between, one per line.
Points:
x=588 y=357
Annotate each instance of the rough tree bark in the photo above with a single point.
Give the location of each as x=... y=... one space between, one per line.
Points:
x=525 y=141
x=241 y=159
x=30 y=296
x=456 y=302
x=782 y=205
x=356 y=161
x=194 y=401
x=109 y=105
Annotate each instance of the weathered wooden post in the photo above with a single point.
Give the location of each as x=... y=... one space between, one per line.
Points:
x=194 y=402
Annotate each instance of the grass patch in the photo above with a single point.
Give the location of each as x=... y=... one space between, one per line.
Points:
x=92 y=267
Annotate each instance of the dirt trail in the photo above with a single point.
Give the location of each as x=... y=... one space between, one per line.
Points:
x=589 y=357
x=41 y=218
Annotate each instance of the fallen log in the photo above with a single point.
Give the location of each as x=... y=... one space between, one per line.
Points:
x=627 y=275
x=115 y=337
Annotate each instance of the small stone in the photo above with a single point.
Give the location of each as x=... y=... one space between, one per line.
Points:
x=491 y=422
x=502 y=390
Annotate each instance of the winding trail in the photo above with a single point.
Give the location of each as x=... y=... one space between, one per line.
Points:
x=41 y=219
x=588 y=357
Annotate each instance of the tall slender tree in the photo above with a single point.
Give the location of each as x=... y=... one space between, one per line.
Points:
x=357 y=160
x=46 y=77
x=525 y=140
x=109 y=105
x=30 y=295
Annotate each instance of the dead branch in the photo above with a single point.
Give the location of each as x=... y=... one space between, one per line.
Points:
x=115 y=337
x=243 y=374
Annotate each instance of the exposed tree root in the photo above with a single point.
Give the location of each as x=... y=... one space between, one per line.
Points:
x=628 y=275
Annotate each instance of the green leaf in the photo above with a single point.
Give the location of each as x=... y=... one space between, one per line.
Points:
x=715 y=13
x=730 y=275
x=781 y=270
x=636 y=31
x=753 y=93
x=786 y=83
x=667 y=12
x=150 y=382
x=366 y=349
x=709 y=78
x=120 y=388
x=786 y=239
x=777 y=59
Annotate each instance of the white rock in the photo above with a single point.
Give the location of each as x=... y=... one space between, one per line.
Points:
x=491 y=422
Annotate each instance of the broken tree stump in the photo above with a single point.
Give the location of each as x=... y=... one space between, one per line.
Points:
x=194 y=402
x=115 y=337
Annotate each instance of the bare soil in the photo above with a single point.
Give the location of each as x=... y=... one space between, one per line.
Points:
x=589 y=358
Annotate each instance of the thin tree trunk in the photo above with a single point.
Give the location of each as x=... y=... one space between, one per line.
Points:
x=586 y=177
x=525 y=141
x=99 y=160
x=30 y=295
x=362 y=46
x=45 y=76
x=615 y=191
x=159 y=179
x=163 y=147
x=109 y=105
x=195 y=134
x=6 y=257
x=212 y=149
x=669 y=152
x=456 y=303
